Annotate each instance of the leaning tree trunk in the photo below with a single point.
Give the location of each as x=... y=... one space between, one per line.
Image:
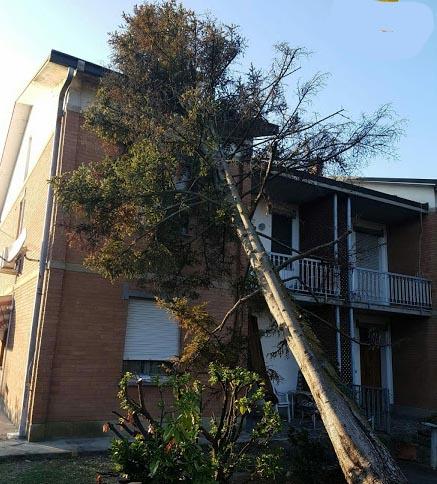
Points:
x=362 y=457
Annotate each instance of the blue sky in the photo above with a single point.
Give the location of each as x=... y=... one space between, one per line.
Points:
x=375 y=52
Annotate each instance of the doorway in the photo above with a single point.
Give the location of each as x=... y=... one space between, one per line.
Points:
x=370 y=356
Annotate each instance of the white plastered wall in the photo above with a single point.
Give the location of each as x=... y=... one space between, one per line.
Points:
x=285 y=365
x=419 y=192
x=37 y=134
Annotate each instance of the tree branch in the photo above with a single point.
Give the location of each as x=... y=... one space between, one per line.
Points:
x=234 y=308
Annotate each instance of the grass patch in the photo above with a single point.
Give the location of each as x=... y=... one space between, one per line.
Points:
x=59 y=470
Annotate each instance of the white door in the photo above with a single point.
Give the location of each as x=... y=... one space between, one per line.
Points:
x=370 y=275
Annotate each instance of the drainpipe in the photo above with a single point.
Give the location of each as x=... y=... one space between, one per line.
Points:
x=22 y=429
x=337 y=308
x=355 y=350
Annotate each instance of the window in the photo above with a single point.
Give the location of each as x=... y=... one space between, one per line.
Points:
x=152 y=338
x=282 y=233
x=29 y=149
x=20 y=223
x=369 y=251
x=146 y=368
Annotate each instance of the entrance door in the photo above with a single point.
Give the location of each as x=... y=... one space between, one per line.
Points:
x=368 y=254
x=370 y=276
x=282 y=233
x=370 y=358
x=283 y=240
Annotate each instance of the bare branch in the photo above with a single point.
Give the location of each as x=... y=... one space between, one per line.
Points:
x=234 y=308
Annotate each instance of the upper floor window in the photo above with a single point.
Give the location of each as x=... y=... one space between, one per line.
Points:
x=28 y=153
x=20 y=222
x=284 y=233
x=370 y=247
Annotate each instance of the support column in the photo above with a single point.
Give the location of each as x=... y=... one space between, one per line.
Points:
x=387 y=365
x=337 y=309
x=355 y=347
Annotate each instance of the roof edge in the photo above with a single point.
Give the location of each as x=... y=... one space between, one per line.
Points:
x=67 y=60
x=356 y=190
x=418 y=181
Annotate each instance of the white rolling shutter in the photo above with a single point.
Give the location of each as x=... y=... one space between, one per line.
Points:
x=368 y=251
x=150 y=333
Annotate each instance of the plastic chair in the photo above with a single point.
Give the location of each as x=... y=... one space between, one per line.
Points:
x=284 y=402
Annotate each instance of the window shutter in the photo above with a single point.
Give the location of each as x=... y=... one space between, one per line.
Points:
x=367 y=250
x=150 y=333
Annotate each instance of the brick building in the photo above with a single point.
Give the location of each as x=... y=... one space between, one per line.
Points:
x=66 y=333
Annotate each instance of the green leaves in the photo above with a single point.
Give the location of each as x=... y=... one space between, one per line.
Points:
x=172 y=452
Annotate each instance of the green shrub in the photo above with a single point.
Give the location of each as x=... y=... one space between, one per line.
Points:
x=169 y=449
x=312 y=462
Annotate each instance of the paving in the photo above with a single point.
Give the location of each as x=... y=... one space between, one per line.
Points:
x=11 y=448
x=6 y=427
x=418 y=474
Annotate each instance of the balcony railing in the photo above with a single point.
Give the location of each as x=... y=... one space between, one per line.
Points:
x=312 y=276
x=375 y=405
x=387 y=288
x=321 y=278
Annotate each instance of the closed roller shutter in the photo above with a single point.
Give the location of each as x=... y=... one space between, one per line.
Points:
x=150 y=333
x=367 y=251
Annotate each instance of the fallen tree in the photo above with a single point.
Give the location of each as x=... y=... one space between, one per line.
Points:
x=197 y=144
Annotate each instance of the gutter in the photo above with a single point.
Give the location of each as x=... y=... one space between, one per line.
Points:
x=43 y=262
x=357 y=191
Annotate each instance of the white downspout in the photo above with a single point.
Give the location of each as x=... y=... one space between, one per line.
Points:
x=22 y=429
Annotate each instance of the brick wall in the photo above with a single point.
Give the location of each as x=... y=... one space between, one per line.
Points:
x=403 y=247
x=81 y=335
x=415 y=339
x=23 y=286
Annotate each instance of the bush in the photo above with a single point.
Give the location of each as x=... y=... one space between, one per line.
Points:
x=169 y=449
x=312 y=462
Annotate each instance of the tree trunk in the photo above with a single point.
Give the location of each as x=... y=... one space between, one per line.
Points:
x=362 y=457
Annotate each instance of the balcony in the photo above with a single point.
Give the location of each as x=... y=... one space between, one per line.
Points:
x=375 y=404
x=390 y=289
x=312 y=278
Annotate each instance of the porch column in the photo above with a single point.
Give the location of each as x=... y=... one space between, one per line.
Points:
x=387 y=364
x=355 y=347
x=337 y=308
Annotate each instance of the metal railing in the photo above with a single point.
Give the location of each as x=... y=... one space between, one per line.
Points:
x=375 y=404
x=321 y=278
x=388 y=288
x=312 y=276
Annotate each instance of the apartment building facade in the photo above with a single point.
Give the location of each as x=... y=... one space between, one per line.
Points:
x=370 y=296
x=67 y=334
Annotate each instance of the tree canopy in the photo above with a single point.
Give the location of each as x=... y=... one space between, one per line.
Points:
x=155 y=211
x=194 y=143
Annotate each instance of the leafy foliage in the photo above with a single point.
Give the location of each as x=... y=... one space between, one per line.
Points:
x=155 y=209
x=168 y=449
x=311 y=461
x=202 y=343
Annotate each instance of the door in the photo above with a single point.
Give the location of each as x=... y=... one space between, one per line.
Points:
x=367 y=248
x=370 y=276
x=282 y=242
x=282 y=233
x=370 y=358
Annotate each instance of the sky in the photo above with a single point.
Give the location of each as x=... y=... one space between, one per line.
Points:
x=375 y=53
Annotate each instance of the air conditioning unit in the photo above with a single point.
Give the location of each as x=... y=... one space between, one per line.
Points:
x=9 y=255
